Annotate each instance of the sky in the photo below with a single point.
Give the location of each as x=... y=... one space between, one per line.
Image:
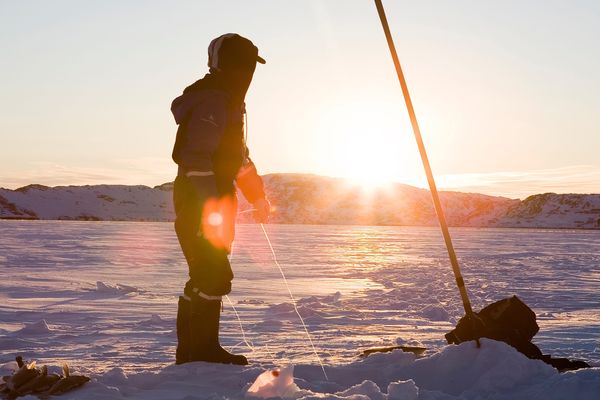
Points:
x=506 y=92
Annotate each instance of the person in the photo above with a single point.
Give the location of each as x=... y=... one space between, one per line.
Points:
x=212 y=157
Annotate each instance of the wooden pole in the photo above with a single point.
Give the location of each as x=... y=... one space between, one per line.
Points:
x=434 y=193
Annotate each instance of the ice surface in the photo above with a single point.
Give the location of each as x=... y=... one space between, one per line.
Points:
x=103 y=297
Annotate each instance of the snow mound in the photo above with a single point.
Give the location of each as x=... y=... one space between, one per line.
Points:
x=114 y=376
x=320 y=301
x=495 y=371
x=281 y=308
x=36 y=328
x=403 y=390
x=118 y=289
x=435 y=313
x=366 y=389
x=154 y=320
x=466 y=369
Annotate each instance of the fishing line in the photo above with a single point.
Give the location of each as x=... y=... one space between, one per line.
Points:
x=236 y=313
x=293 y=301
x=247 y=211
x=291 y=297
x=245 y=340
x=239 y=319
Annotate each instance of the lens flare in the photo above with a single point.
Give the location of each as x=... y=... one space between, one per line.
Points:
x=218 y=219
x=215 y=219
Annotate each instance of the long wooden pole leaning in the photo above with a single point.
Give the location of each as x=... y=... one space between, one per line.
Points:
x=434 y=193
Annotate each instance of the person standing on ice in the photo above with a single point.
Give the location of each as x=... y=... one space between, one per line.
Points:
x=212 y=157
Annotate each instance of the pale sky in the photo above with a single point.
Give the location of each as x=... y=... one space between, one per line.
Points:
x=507 y=93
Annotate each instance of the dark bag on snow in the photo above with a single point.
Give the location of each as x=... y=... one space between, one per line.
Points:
x=508 y=320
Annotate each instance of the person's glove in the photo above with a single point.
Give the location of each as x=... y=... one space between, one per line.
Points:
x=262 y=210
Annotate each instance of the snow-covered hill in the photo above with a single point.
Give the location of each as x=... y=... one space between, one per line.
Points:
x=97 y=202
x=556 y=211
x=311 y=199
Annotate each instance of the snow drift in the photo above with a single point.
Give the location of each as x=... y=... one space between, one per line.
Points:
x=495 y=371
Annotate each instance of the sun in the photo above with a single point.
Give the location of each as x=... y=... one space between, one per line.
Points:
x=363 y=144
x=366 y=164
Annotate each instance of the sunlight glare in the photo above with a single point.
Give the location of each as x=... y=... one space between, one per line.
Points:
x=365 y=145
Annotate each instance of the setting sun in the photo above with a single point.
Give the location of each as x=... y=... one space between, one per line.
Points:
x=360 y=146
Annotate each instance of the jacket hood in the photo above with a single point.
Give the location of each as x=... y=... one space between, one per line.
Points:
x=234 y=87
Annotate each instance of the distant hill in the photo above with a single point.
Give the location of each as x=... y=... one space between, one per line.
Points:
x=311 y=199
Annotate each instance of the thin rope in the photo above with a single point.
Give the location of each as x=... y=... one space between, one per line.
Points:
x=293 y=301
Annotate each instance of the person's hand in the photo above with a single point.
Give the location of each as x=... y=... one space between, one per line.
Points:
x=262 y=210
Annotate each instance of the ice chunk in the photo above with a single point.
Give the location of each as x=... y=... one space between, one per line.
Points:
x=366 y=388
x=403 y=390
x=117 y=289
x=278 y=382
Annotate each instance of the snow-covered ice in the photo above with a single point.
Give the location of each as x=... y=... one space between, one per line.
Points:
x=102 y=296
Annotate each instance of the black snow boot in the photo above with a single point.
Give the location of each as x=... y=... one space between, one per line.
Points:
x=204 y=334
x=182 y=354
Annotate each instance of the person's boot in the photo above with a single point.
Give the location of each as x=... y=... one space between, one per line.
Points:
x=182 y=354
x=204 y=334
x=218 y=352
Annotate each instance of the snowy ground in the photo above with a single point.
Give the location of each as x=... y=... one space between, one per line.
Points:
x=102 y=296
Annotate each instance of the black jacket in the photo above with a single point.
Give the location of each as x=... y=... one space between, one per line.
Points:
x=210 y=137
